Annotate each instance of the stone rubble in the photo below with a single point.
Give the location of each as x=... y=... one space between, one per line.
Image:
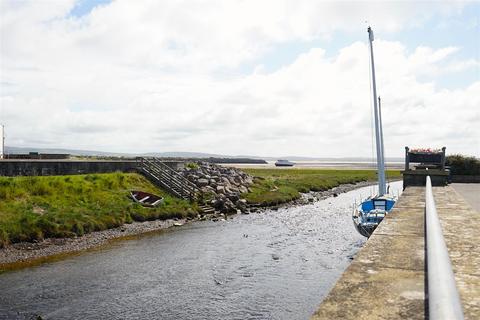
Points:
x=222 y=187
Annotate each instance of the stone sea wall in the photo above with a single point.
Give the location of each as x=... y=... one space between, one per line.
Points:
x=9 y=167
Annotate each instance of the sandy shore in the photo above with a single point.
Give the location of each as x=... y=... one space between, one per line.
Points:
x=347 y=165
x=24 y=254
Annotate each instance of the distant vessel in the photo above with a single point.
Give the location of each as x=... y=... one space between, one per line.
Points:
x=372 y=210
x=284 y=163
x=146 y=199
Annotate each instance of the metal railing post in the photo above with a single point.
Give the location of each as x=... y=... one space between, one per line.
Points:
x=443 y=299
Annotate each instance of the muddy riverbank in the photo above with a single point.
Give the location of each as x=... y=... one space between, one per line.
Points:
x=30 y=253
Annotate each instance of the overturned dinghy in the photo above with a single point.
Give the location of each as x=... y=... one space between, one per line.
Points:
x=146 y=199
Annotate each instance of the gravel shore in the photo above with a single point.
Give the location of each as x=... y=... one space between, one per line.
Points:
x=25 y=252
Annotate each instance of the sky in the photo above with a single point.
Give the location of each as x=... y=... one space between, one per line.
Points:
x=263 y=78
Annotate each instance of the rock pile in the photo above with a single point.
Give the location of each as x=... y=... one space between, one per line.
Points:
x=221 y=186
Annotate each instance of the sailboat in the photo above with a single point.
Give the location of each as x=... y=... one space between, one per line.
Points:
x=372 y=210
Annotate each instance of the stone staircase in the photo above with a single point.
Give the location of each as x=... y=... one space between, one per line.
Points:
x=207 y=209
x=167 y=178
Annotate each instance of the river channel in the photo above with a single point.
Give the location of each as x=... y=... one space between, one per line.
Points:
x=269 y=265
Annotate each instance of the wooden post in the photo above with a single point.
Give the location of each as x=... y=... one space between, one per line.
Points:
x=443 y=158
x=407 y=159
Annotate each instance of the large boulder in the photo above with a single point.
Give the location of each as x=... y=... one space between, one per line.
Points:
x=207 y=189
x=243 y=189
x=192 y=177
x=238 y=180
x=220 y=189
x=225 y=181
x=229 y=207
x=202 y=182
x=241 y=204
x=234 y=197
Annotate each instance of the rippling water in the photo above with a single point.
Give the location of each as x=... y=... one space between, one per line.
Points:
x=272 y=265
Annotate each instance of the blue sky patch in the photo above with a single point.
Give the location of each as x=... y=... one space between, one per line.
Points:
x=84 y=7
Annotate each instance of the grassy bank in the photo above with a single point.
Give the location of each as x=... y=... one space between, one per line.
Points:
x=33 y=208
x=275 y=186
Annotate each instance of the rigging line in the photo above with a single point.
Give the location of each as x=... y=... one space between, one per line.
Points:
x=383 y=149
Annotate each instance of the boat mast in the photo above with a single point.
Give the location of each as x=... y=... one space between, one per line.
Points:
x=378 y=133
x=381 y=132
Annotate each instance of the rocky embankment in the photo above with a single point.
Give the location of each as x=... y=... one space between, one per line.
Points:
x=221 y=187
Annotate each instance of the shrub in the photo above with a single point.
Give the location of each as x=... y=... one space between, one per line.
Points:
x=463 y=165
x=192 y=165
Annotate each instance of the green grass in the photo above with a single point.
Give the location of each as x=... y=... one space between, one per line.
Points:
x=275 y=186
x=33 y=208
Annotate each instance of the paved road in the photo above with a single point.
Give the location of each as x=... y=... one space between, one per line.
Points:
x=470 y=192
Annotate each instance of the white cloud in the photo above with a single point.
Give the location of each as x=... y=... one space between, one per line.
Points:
x=147 y=76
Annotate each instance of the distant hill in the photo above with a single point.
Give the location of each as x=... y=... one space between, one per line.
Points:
x=185 y=155
x=75 y=152
x=23 y=150
x=174 y=154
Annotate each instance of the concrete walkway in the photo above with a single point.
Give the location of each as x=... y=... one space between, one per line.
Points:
x=386 y=280
x=470 y=192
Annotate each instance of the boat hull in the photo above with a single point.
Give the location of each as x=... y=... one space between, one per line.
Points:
x=371 y=212
x=284 y=163
x=365 y=231
x=146 y=199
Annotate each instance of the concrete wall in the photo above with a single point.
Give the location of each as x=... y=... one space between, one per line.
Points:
x=64 y=167
x=418 y=177
x=48 y=168
x=465 y=179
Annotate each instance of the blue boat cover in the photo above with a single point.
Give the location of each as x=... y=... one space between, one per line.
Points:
x=380 y=203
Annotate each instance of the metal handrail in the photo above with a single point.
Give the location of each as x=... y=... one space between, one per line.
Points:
x=186 y=187
x=162 y=173
x=443 y=299
x=174 y=173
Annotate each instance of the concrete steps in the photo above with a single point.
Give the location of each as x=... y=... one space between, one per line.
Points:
x=206 y=209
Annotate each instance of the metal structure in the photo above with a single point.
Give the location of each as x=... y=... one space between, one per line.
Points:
x=372 y=210
x=167 y=178
x=433 y=159
x=378 y=130
x=443 y=299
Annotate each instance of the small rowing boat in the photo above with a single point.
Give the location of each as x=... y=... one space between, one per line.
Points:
x=146 y=199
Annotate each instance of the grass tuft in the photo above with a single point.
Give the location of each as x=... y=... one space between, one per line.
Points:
x=34 y=208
